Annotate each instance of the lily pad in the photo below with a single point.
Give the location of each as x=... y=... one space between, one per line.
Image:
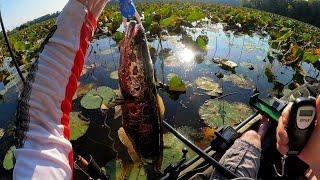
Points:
x=239 y=80
x=212 y=112
x=114 y=75
x=118 y=36
x=8 y=159
x=176 y=84
x=207 y=84
x=94 y=98
x=84 y=89
x=202 y=41
x=172 y=151
x=310 y=57
x=117 y=170
x=78 y=127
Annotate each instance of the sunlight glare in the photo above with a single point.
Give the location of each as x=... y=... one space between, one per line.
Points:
x=186 y=55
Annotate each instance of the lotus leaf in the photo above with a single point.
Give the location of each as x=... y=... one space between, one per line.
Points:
x=207 y=84
x=310 y=57
x=202 y=41
x=176 y=84
x=78 y=127
x=8 y=162
x=84 y=89
x=195 y=15
x=94 y=98
x=118 y=36
x=239 y=80
x=117 y=170
x=172 y=151
x=212 y=112
x=114 y=75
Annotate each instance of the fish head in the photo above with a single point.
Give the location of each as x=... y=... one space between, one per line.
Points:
x=134 y=33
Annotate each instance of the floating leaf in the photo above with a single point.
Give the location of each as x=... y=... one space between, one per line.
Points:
x=310 y=57
x=212 y=112
x=202 y=41
x=114 y=75
x=172 y=151
x=8 y=159
x=207 y=84
x=239 y=80
x=84 y=89
x=78 y=127
x=176 y=84
x=118 y=36
x=94 y=98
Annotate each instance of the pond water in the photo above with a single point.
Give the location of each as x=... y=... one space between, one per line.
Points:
x=249 y=52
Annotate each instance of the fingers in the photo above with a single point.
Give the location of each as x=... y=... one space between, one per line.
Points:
x=282 y=136
x=94 y=6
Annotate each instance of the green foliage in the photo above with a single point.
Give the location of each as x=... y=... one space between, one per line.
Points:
x=202 y=41
x=118 y=36
x=78 y=127
x=95 y=98
x=8 y=159
x=176 y=83
x=310 y=57
x=195 y=15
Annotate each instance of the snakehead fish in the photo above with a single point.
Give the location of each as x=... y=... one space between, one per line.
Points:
x=141 y=114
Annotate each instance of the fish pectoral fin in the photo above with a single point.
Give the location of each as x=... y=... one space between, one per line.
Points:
x=161 y=106
x=124 y=138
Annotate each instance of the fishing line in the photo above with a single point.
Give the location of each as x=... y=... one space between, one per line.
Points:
x=9 y=48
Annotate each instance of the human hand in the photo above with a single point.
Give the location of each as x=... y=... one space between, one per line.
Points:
x=94 y=6
x=311 y=152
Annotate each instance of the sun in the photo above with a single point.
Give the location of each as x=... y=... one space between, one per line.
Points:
x=186 y=55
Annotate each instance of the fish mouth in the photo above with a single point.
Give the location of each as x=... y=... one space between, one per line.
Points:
x=134 y=31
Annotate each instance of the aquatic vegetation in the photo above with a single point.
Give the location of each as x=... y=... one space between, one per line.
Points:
x=118 y=36
x=176 y=83
x=117 y=170
x=78 y=126
x=84 y=89
x=225 y=64
x=96 y=97
x=172 y=151
x=213 y=111
x=208 y=84
x=239 y=80
x=202 y=41
x=8 y=162
x=114 y=75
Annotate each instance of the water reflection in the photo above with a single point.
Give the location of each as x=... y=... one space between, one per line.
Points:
x=186 y=55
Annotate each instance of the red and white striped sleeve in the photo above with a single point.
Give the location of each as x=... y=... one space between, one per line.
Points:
x=43 y=147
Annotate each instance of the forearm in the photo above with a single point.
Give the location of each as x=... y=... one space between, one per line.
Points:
x=44 y=150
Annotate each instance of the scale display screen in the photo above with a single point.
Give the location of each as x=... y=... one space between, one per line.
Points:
x=306 y=113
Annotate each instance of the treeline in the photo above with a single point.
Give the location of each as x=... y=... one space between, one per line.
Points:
x=36 y=21
x=305 y=11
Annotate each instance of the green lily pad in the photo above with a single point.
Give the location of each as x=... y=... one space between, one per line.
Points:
x=195 y=15
x=118 y=36
x=310 y=57
x=94 y=98
x=239 y=80
x=207 y=84
x=176 y=83
x=84 y=89
x=78 y=127
x=8 y=159
x=116 y=170
x=212 y=112
x=172 y=151
x=202 y=41
x=114 y=75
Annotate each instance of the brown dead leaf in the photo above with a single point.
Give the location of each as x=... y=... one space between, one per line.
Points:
x=161 y=106
x=317 y=51
x=117 y=112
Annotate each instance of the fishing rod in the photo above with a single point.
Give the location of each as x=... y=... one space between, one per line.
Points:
x=10 y=50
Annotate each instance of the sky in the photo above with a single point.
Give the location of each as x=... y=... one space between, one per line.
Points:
x=17 y=12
